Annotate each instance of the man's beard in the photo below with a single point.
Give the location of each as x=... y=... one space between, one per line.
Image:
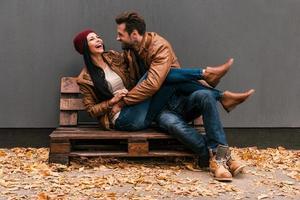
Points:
x=126 y=46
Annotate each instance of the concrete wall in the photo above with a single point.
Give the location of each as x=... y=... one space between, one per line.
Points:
x=262 y=35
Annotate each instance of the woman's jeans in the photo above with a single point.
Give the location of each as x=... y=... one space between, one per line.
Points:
x=140 y=116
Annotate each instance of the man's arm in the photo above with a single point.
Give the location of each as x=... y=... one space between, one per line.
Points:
x=157 y=73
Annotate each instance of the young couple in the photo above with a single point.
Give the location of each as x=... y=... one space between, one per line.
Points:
x=144 y=84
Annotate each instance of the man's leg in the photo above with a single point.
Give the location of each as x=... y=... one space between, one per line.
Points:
x=203 y=102
x=174 y=124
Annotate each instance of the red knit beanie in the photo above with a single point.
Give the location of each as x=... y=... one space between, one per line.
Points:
x=79 y=40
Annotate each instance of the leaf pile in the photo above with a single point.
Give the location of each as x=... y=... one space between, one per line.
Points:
x=26 y=174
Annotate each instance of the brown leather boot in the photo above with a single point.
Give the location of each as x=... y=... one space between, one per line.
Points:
x=235 y=167
x=230 y=100
x=218 y=166
x=212 y=75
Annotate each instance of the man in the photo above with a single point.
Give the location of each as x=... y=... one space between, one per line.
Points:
x=151 y=53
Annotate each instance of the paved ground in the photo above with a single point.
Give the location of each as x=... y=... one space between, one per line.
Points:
x=25 y=174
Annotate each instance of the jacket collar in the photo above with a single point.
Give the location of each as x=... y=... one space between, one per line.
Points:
x=84 y=77
x=142 y=48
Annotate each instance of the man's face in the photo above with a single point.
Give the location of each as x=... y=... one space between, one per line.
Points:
x=123 y=36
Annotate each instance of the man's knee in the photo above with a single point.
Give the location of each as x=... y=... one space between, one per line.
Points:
x=203 y=95
x=167 y=119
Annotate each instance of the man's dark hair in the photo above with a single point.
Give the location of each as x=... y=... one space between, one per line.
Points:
x=133 y=21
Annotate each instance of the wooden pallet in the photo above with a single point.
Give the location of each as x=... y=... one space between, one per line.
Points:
x=72 y=139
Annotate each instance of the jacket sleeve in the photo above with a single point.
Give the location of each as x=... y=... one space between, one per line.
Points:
x=92 y=107
x=157 y=73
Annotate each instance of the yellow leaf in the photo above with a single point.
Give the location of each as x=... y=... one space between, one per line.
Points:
x=3 y=183
x=28 y=154
x=81 y=169
x=2 y=153
x=43 y=196
x=45 y=172
x=190 y=166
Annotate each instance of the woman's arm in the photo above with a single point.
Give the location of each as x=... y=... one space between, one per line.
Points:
x=97 y=109
x=89 y=101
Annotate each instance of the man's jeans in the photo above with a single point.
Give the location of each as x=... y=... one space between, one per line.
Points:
x=182 y=110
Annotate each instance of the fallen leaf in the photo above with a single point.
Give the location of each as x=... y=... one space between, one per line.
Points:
x=2 y=153
x=262 y=196
x=190 y=166
x=43 y=196
x=81 y=169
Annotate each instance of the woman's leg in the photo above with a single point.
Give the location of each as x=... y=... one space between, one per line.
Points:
x=132 y=118
x=187 y=81
x=176 y=75
x=140 y=116
x=188 y=87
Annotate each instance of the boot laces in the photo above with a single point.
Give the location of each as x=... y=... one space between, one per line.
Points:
x=222 y=162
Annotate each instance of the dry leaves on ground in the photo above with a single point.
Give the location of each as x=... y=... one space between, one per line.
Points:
x=25 y=174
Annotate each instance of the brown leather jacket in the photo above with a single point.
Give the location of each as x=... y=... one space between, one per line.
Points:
x=101 y=110
x=159 y=57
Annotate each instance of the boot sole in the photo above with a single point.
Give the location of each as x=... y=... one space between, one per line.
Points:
x=238 y=170
x=221 y=179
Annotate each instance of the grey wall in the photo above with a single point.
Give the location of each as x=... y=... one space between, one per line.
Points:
x=262 y=35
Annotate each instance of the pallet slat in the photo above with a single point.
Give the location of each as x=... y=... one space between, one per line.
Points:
x=68 y=118
x=69 y=85
x=109 y=135
x=71 y=104
x=125 y=154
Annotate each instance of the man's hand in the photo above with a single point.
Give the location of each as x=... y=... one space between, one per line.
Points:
x=117 y=107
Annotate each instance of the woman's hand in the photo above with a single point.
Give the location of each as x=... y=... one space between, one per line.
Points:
x=118 y=96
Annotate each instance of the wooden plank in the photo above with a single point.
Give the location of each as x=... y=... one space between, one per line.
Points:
x=71 y=104
x=96 y=128
x=137 y=147
x=125 y=154
x=69 y=85
x=107 y=135
x=61 y=148
x=68 y=118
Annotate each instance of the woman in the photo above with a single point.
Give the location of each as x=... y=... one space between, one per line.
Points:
x=106 y=79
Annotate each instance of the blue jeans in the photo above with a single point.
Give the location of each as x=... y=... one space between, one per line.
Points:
x=140 y=116
x=182 y=110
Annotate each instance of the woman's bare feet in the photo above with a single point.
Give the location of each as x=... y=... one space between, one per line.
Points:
x=212 y=75
x=230 y=99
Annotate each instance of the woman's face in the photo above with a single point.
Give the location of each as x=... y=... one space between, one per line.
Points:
x=95 y=43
